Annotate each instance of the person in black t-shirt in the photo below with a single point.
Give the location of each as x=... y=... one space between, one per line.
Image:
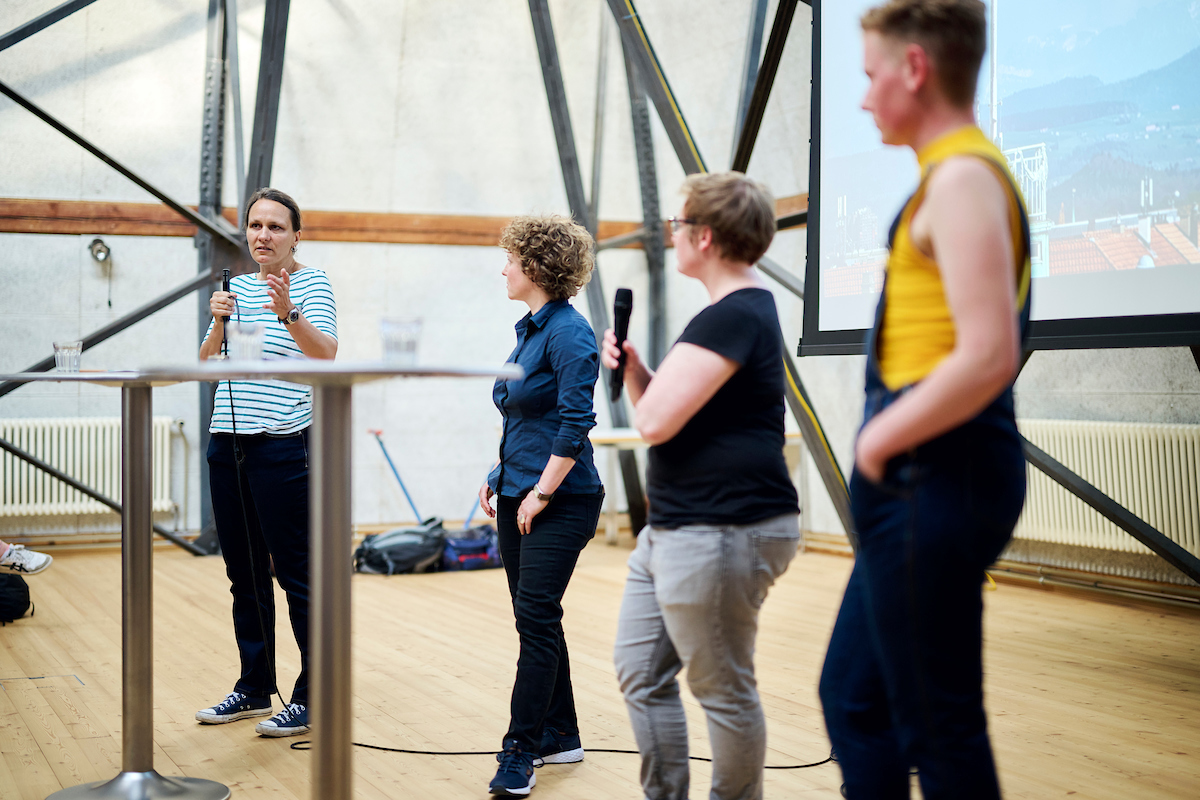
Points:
x=723 y=510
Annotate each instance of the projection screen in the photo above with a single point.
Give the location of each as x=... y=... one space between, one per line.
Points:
x=1096 y=106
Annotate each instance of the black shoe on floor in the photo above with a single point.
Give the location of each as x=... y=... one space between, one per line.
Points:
x=560 y=748
x=515 y=776
x=235 y=706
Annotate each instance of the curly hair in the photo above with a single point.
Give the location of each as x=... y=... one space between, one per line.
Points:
x=555 y=253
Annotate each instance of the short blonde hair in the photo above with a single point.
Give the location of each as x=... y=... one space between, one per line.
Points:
x=555 y=253
x=953 y=33
x=740 y=212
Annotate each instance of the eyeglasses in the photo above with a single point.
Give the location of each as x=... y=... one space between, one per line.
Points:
x=677 y=223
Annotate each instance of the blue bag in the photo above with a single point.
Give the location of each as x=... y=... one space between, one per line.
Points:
x=473 y=548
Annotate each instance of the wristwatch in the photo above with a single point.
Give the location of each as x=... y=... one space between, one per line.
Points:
x=292 y=316
x=540 y=495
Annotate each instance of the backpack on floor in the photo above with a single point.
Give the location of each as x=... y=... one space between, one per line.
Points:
x=473 y=548
x=14 y=597
x=403 y=550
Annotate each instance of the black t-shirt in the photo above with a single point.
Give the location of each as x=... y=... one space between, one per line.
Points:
x=726 y=465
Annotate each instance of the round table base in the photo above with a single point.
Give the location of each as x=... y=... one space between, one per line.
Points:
x=145 y=786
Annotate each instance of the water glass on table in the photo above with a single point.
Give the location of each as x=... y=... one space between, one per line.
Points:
x=66 y=356
x=246 y=341
x=400 y=338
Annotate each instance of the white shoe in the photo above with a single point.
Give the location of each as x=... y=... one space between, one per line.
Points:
x=28 y=562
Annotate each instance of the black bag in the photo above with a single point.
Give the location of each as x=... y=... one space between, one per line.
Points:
x=14 y=597
x=402 y=550
x=473 y=548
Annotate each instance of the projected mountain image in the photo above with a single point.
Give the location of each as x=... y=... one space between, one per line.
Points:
x=1099 y=119
x=1118 y=183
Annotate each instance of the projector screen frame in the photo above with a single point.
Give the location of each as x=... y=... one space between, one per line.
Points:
x=1154 y=330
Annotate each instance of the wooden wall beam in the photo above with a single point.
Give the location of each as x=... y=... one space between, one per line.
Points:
x=154 y=219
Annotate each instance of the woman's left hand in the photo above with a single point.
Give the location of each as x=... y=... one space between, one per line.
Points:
x=530 y=508
x=279 y=290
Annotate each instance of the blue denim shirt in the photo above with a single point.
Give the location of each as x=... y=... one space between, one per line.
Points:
x=549 y=411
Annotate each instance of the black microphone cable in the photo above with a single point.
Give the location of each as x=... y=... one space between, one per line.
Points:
x=238 y=458
x=306 y=744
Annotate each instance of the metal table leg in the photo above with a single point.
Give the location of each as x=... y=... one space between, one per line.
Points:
x=610 y=516
x=329 y=609
x=137 y=779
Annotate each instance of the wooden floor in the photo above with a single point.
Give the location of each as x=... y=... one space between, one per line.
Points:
x=1087 y=698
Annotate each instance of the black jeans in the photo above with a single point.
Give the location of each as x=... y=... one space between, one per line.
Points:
x=539 y=566
x=274 y=485
x=903 y=679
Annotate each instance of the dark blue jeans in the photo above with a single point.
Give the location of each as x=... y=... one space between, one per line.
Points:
x=274 y=485
x=539 y=566
x=902 y=682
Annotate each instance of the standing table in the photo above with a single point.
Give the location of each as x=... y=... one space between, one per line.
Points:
x=329 y=538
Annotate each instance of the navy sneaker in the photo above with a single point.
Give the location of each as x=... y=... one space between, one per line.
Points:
x=515 y=776
x=559 y=748
x=291 y=721
x=235 y=706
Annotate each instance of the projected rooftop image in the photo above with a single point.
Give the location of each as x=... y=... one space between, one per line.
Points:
x=1098 y=113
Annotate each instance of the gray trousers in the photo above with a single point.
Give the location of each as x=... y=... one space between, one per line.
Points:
x=691 y=602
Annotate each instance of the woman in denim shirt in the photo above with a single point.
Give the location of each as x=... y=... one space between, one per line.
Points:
x=547 y=491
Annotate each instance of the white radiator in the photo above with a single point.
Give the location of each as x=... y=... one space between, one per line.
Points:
x=87 y=449
x=1152 y=470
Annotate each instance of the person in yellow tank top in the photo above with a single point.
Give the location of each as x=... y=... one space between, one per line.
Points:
x=939 y=476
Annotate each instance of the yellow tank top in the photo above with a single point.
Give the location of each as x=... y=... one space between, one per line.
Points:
x=917 y=330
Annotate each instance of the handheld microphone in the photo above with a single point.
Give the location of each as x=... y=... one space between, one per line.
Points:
x=225 y=282
x=622 y=308
x=224 y=331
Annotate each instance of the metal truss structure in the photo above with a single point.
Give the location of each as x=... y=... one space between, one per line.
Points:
x=221 y=245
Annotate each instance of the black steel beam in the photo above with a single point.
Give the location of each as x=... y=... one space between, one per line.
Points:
x=785 y=278
x=598 y=121
x=633 y=237
x=758 y=20
x=564 y=136
x=212 y=148
x=672 y=119
x=797 y=220
x=818 y=447
x=221 y=229
x=639 y=48
x=1110 y=509
x=23 y=32
x=74 y=484
x=762 y=86
x=116 y=326
x=266 y=103
x=652 y=226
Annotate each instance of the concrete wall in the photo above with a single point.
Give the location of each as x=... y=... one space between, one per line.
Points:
x=405 y=106
x=386 y=106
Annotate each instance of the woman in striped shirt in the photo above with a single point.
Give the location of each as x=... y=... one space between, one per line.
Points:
x=258 y=458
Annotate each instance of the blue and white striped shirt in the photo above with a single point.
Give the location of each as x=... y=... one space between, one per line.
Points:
x=273 y=406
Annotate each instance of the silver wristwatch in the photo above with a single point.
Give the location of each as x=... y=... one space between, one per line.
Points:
x=292 y=316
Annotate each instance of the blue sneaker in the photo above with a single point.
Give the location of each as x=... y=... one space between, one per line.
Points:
x=559 y=748
x=291 y=721
x=235 y=706
x=515 y=776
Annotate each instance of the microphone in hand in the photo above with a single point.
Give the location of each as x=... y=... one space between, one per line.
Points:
x=622 y=308
x=225 y=283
